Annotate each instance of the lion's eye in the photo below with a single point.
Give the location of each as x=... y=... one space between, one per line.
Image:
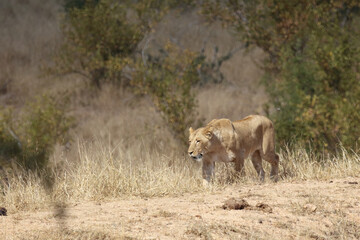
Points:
x=197 y=141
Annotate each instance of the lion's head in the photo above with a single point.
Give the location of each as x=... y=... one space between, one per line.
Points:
x=199 y=142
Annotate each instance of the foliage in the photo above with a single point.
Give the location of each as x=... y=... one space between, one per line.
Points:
x=168 y=80
x=209 y=70
x=101 y=43
x=312 y=68
x=29 y=138
x=101 y=37
x=10 y=146
x=70 y=4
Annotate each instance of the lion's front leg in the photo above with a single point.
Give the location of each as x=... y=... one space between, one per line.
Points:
x=208 y=170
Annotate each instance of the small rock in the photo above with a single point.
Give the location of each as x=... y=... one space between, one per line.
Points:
x=310 y=207
x=351 y=182
x=264 y=207
x=3 y=211
x=236 y=204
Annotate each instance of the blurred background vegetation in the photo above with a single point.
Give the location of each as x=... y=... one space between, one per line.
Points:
x=311 y=70
x=148 y=70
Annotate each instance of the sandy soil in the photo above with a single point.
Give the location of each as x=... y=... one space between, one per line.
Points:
x=299 y=210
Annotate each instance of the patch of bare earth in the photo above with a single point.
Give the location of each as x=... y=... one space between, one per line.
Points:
x=299 y=210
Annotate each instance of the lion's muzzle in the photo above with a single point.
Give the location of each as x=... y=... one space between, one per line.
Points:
x=196 y=157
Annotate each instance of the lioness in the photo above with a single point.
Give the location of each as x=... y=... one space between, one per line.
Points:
x=224 y=141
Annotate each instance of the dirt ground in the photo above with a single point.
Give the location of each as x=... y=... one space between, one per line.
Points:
x=296 y=210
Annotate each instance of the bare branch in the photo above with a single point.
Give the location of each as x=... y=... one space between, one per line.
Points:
x=14 y=136
x=144 y=48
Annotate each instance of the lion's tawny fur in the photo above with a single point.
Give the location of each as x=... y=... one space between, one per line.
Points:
x=224 y=141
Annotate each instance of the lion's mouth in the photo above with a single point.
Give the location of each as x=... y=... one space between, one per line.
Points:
x=198 y=157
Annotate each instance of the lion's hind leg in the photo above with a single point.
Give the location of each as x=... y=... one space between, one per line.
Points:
x=273 y=159
x=268 y=152
x=239 y=166
x=257 y=162
x=275 y=168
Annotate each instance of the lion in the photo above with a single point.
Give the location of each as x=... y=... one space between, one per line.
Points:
x=224 y=141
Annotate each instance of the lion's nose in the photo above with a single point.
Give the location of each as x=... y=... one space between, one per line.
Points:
x=190 y=153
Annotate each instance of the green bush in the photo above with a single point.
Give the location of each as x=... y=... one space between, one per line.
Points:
x=29 y=137
x=10 y=145
x=168 y=80
x=101 y=37
x=70 y=4
x=169 y=77
x=312 y=65
x=98 y=41
x=317 y=94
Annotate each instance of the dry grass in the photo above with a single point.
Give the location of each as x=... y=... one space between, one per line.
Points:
x=302 y=165
x=124 y=150
x=102 y=172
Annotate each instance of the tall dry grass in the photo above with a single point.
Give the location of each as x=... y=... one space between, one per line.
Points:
x=103 y=172
x=123 y=149
x=302 y=165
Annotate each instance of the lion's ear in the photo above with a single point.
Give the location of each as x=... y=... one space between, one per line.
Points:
x=209 y=133
x=191 y=130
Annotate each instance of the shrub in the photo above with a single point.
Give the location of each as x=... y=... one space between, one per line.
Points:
x=101 y=36
x=312 y=65
x=168 y=79
x=29 y=138
x=317 y=94
x=10 y=145
x=98 y=41
x=101 y=41
x=70 y=4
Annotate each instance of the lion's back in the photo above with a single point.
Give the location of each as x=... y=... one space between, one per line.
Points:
x=253 y=123
x=248 y=132
x=254 y=130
